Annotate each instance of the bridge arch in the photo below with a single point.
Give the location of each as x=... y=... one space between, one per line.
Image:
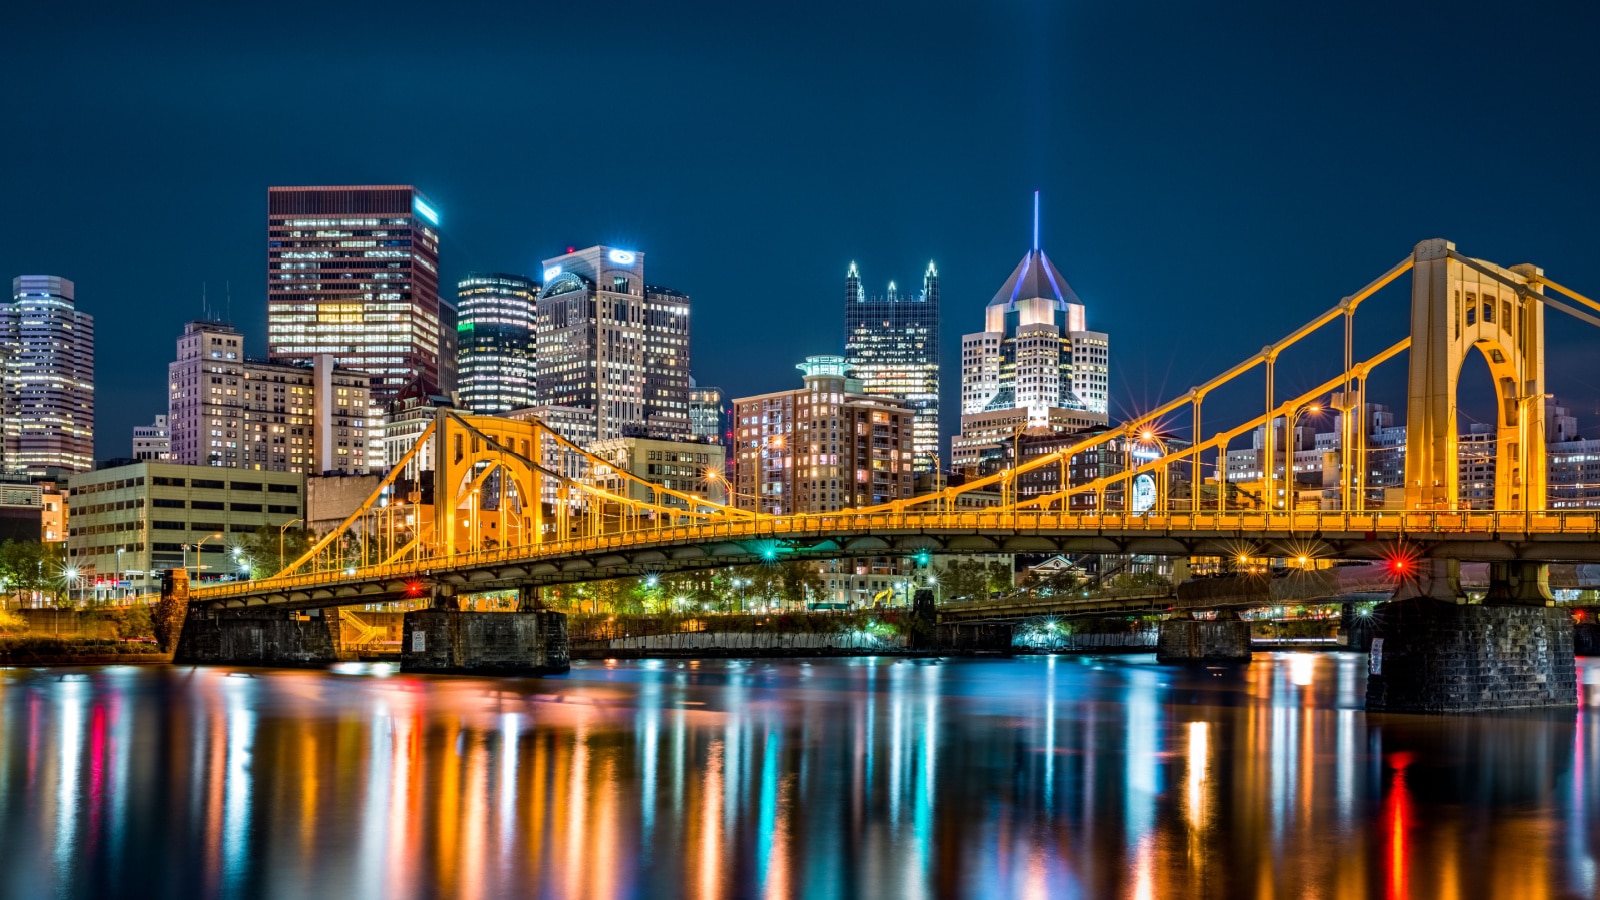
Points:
x=1461 y=305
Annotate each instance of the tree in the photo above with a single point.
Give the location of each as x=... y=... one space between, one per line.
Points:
x=260 y=549
x=799 y=581
x=22 y=567
x=965 y=579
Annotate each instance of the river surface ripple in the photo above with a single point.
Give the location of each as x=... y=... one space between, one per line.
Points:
x=1041 y=777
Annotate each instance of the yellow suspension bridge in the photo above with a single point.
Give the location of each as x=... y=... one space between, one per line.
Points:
x=513 y=504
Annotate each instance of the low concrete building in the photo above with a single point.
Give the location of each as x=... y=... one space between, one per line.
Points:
x=675 y=465
x=330 y=499
x=133 y=521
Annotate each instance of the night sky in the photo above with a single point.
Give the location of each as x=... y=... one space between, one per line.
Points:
x=1212 y=174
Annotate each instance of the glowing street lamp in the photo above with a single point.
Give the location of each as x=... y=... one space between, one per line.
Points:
x=199 y=564
x=70 y=576
x=281 y=529
x=1313 y=408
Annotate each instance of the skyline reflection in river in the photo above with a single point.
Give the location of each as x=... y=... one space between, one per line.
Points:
x=1035 y=777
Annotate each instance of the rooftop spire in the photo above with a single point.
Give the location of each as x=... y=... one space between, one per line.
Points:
x=1035 y=220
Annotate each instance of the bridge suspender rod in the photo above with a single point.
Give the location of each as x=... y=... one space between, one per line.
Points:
x=1222 y=439
x=696 y=502
x=1270 y=468
x=1347 y=305
x=364 y=507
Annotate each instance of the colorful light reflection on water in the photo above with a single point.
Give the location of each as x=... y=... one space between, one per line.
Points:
x=1039 y=777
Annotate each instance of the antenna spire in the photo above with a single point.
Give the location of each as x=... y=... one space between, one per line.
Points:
x=1035 y=220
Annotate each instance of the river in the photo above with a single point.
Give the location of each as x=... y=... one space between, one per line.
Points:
x=1054 y=777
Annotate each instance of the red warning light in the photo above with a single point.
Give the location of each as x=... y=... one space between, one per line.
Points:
x=572 y=249
x=413 y=589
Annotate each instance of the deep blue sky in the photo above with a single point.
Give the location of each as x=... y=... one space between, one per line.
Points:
x=1213 y=174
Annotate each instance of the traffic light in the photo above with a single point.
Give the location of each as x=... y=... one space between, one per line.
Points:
x=923 y=557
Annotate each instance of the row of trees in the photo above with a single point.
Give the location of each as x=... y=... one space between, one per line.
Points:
x=785 y=585
x=30 y=567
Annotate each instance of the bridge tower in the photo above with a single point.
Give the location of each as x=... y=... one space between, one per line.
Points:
x=1460 y=305
x=1515 y=649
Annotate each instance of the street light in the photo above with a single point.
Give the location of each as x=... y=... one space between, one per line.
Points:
x=199 y=564
x=70 y=575
x=1312 y=408
x=281 y=529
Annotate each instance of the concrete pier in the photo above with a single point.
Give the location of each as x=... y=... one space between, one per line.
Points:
x=259 y=637
x=1429 y=656
x=1224 y=639
x=485 y=643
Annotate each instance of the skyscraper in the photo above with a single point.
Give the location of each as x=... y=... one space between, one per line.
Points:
x=1035 y=366
x=47 y=385
x=891 y=345
x=705 y=413
x=354 y=272
x=612 y=346
x=495 y=331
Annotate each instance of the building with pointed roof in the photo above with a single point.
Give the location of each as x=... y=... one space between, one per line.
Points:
x=1036 y=367
x=891 y=345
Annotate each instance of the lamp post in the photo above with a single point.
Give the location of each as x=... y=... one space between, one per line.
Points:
x=70 y=576
x=1312 y=408
x=119 y=569
x=281 y=529
x=199 y=563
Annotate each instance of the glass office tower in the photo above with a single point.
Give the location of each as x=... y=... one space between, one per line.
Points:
x=496 y=313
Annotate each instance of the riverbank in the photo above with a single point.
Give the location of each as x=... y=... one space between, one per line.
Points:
x=30 y=650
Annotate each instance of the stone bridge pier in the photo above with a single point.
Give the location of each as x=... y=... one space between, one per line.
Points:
x=448 y=639
x=1434 y=652
x=259 y=636
x=1183 y=638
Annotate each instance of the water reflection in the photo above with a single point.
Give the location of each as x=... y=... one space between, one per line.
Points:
x=1052 y=777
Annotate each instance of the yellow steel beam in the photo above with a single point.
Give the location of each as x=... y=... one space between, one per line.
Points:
x=1221 y=438
x=362 y=510
x=1345 y=306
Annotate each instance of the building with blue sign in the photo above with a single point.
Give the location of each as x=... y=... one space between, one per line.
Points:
x=612 y=346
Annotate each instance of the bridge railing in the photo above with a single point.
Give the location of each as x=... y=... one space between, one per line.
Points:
x=1245 y=526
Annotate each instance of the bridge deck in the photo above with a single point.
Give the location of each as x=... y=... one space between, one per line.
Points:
x=1546 y=537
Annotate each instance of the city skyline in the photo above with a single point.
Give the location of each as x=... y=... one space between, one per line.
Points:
x=1161 y=202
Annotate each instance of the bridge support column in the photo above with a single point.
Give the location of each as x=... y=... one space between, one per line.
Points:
x=485 y=643
x=1355 y=627
x=444 y=597
x=1429 y=656
x=1186 y=639
x=924 y=621
x=530 y=598
x=1438 y=579
x=259 y=637
x=1519 y=582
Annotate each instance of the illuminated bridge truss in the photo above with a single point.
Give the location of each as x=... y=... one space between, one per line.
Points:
x=514 y=504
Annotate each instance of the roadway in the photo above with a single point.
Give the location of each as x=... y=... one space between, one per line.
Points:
x=1470 y=536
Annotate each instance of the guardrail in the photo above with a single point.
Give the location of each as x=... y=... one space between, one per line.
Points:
x=1397 y=524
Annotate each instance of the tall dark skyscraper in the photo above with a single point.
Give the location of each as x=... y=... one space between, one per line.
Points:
x=495 y=334
x=891 y=344
x=354 y=272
